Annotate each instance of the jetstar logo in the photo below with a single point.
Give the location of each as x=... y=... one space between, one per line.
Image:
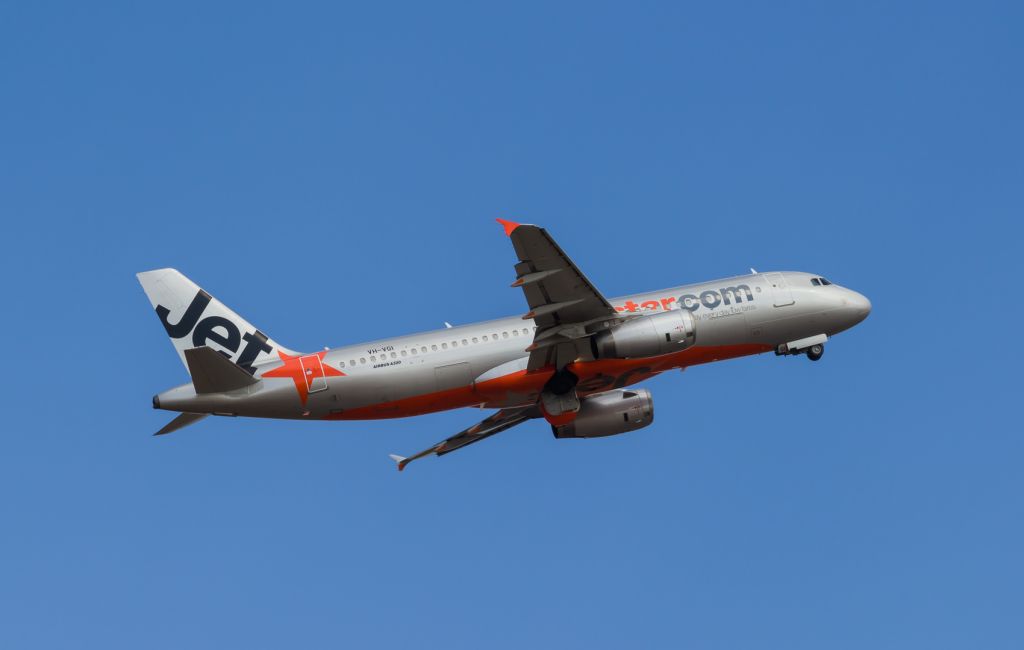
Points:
x=215 y=329
x=710 y=299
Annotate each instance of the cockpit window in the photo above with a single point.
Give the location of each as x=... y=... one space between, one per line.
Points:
x=815 y=282
x=824 y=281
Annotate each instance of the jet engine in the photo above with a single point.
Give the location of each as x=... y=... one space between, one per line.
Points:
x=609 y=414
x=647 y=336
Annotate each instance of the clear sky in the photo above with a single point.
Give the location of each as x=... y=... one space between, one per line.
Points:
x=332 y=172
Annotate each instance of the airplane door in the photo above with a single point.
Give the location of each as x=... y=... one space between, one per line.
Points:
x=313 y=372
x=781 y=295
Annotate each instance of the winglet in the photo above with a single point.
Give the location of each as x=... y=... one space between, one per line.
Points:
x=509 y=226
x=400 y=460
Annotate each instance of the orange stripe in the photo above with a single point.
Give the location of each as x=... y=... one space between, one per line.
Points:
x=522 y=387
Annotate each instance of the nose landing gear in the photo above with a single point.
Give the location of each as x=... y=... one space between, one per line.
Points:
x=812 y=346
x=815 y=351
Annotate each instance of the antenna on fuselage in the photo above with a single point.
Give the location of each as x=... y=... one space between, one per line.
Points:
x=753 y=271
x=447 y=325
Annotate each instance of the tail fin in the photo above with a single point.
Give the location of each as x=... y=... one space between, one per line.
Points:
x=194 y=318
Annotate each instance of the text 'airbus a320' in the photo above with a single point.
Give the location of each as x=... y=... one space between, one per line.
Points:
x=571 y=359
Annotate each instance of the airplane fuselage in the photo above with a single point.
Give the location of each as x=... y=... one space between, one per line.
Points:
x=485 y=364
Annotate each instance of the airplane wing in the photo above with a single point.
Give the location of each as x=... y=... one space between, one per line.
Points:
x=563 y=302
x=496 y=423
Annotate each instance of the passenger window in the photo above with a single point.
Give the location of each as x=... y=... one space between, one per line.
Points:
x=515 y=332
x=504 y=335
x=455 y=344
x=444 y=346
x=423 y=349
x=341 y=364
x=373 y=358
x=395 y=356
x=485 y=338
x=352 y=362
x=434 y=347
x=494 y=336
x=362 y=359
x=476 y=340
x=526 y=332
x=465 y=342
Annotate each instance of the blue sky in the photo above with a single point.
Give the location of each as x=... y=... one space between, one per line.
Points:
x=332 y=172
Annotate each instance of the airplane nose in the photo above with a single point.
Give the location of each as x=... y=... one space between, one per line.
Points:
x=859 y=305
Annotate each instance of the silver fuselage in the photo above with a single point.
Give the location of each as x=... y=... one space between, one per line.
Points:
x=483 y=364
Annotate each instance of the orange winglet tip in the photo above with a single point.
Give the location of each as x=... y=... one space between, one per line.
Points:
x=509 y=226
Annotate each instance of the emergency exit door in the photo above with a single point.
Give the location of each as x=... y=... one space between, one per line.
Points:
x=313 y=372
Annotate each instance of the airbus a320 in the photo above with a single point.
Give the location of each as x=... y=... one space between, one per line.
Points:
x=573 y=359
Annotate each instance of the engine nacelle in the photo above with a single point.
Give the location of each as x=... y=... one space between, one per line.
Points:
x=608 y=414
x=647 y=336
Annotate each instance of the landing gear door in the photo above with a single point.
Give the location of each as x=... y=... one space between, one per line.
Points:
x=781 y=295
x=313 y=372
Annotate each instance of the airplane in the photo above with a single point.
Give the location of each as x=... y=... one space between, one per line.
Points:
x=572 y=359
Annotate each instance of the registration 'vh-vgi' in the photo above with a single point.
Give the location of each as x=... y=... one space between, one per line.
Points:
x=571 y=359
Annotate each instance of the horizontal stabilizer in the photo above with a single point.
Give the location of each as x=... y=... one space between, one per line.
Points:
x=181 y=421
x=212 y=372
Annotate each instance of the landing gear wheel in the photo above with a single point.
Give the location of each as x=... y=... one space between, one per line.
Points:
x=815 y=351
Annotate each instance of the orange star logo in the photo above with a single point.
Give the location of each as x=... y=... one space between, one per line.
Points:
x=304 y=371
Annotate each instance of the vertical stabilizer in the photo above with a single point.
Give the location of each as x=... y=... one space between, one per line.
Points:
x=194 y=318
